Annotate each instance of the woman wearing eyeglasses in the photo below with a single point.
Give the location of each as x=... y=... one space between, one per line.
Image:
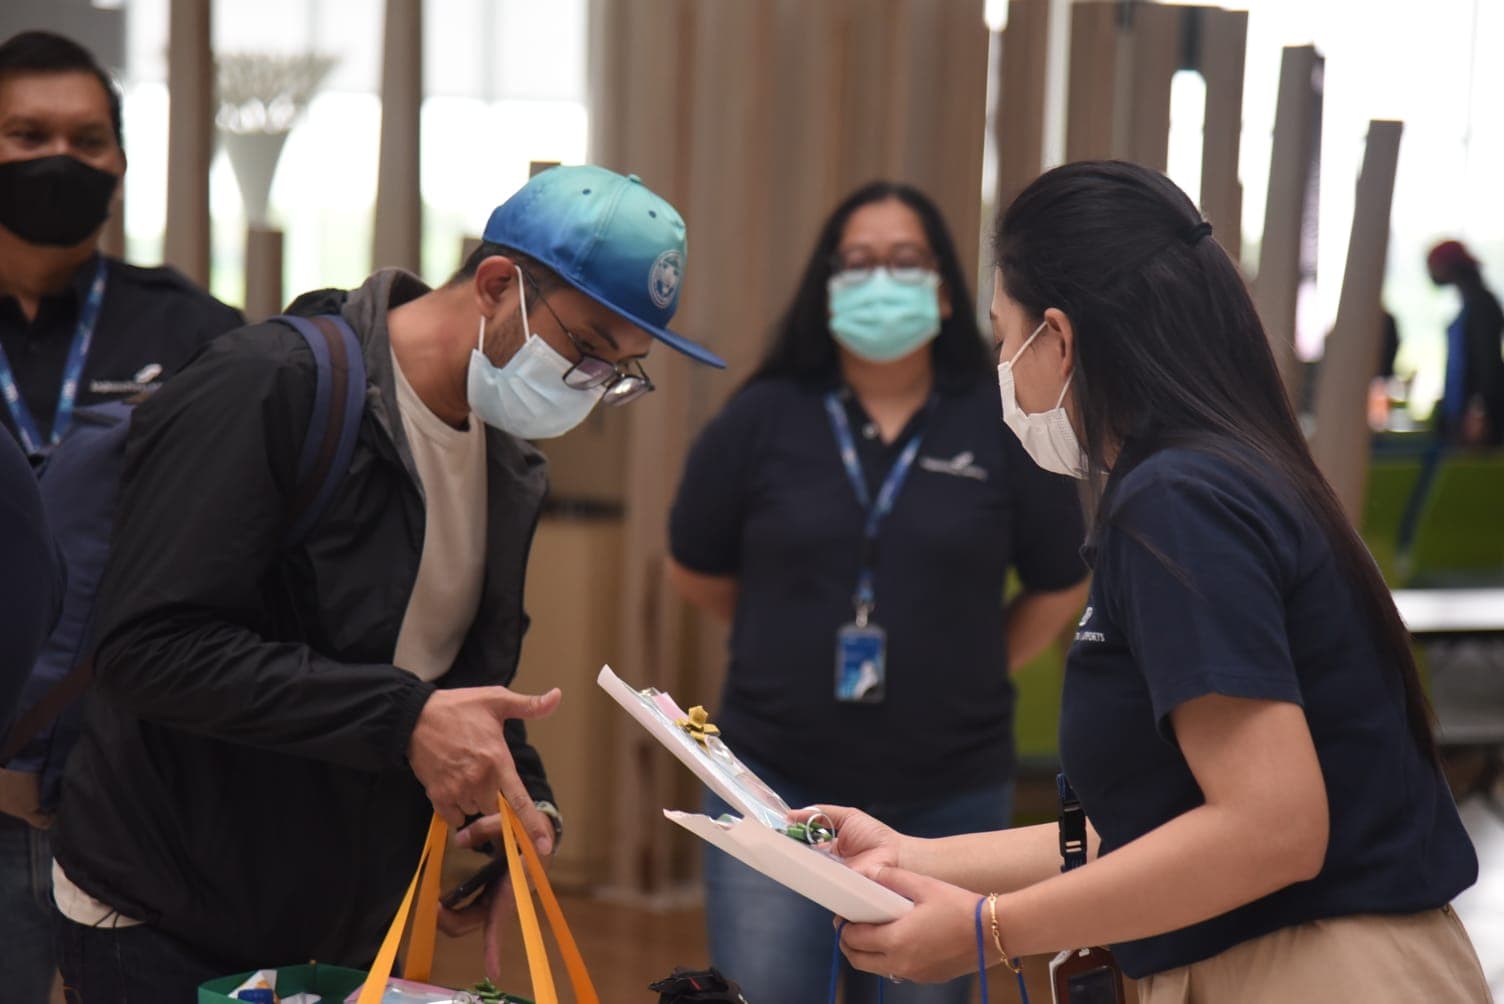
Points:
x=1241 y=718
x=854 y=512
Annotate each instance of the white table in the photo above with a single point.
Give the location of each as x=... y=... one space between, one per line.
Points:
x=1452 y=612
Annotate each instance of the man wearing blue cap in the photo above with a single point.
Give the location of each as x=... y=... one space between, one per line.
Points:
x=273 y=722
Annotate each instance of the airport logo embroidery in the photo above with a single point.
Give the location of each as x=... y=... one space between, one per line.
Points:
x=143 y=379
x=962 y=465
x=1085 y=635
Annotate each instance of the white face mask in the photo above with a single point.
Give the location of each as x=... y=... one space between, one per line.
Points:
x=527 y=397
x=1047 y=437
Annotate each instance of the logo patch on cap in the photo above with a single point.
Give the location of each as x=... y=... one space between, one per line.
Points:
x=663 y=279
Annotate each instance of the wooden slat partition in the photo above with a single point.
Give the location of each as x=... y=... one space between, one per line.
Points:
x=754 y=119
x=1351 y=356
x=397 y=236
x=190 y=138
x=1295 y=135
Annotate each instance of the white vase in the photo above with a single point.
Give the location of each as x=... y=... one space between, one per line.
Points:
x=254 y=155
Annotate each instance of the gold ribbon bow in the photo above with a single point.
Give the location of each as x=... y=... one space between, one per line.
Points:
x=698 y=725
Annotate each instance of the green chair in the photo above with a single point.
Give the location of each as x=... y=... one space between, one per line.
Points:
x=1390 y=484
x=1459 y=537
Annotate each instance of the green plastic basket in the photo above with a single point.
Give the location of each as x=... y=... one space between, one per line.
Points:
x=332 y=983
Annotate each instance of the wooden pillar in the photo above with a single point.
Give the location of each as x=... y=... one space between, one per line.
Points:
x=1341 y=445
x=398 y=232
x=1224 y=43
x=1152 y=42
x=1091 y=119
x=1297 y=128
x=1123 y=62
x=1019 y=125
x=263 y=272
x=812 y=42
x=190 y=138
x=960 y=95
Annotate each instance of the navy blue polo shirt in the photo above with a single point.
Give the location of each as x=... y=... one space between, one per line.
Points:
x=766 y=499
x=1210 y=579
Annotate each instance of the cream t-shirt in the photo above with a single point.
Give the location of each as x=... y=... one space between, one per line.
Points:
x=452 y=468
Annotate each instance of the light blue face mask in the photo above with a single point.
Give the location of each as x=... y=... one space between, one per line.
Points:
x=528 y=396
x=881 y=319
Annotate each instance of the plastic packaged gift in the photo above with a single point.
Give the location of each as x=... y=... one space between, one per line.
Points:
x=408 y=992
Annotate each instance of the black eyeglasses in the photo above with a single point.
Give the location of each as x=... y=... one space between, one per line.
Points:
x=594 y=373
x=907 y=263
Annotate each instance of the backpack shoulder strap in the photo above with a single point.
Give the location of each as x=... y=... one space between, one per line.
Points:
x=88 y=458
x=40 y=716
x=338 y=403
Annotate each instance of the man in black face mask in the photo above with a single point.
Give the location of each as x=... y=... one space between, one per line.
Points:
x=76 y=328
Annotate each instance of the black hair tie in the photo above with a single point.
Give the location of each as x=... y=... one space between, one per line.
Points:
x=1193 y=236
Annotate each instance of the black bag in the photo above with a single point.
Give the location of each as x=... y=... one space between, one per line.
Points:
x=697 y=985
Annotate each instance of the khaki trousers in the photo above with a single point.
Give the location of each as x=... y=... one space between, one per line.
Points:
x=1371 y=959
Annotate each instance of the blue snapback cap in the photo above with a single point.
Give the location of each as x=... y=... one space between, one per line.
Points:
x=608 y=236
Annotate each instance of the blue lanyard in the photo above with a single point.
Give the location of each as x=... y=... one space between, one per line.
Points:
x=865 y=597
x=73 y=371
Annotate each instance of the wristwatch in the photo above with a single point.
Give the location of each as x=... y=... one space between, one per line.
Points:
x=555 y=817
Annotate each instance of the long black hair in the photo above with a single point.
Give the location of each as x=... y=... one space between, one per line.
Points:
x=1170 y=351
x=803 y=348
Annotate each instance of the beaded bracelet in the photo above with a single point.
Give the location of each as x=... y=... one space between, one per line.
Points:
x=997 y=935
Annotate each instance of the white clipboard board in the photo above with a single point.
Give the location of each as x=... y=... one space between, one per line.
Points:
x=756 y=839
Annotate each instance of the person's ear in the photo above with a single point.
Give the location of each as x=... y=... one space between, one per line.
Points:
x=945 y=305
x=495 y=278
x=1063 y=345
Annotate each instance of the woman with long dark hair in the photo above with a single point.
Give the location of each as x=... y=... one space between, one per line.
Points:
x=854 y=512
x=1242 y=719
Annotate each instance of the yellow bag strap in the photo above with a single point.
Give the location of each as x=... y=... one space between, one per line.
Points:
x=386 y=957
x=424 y=890
x=532 y=937
x=574 y=963
x=426 y=913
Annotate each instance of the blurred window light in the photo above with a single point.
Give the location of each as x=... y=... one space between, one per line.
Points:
x=1187 y=122
x=996 y=14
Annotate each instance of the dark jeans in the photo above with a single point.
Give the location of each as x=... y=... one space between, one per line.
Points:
x=129 y=965
x=778 y=945
x=26 y=961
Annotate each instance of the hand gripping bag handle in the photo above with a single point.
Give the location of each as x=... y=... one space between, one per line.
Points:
x=424 y=891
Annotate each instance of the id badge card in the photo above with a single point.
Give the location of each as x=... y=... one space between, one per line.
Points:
x=861 y=664
x=1086 y=976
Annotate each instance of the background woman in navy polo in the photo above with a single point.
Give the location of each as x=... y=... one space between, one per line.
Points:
x=768 y=531
x=1242 y=716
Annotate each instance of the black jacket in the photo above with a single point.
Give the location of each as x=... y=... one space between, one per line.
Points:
x=241 y=783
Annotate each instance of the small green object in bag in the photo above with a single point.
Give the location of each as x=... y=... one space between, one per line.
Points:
x=332 y=983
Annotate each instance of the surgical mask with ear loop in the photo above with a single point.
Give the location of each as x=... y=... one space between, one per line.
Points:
x=1047 y=436
x=528 y=396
